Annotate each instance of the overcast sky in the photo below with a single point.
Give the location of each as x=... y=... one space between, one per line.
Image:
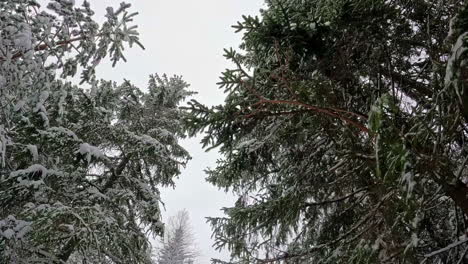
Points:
x=186 y=37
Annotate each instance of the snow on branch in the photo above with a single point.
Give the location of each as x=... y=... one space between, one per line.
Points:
x=447 y=248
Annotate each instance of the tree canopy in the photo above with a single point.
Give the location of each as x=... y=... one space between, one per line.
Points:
x=343 y=133
x=80 y=165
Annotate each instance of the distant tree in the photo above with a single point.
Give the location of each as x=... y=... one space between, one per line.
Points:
x=344 y=133
x=80 y=166
x=178 y=246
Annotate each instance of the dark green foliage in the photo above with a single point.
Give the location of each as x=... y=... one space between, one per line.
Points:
x=343 y=133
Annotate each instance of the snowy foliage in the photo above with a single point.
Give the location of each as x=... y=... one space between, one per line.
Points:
x=178 y=245
x=80 y=167
x=344 y=133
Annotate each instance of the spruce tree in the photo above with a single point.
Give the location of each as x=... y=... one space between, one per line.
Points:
x=343 y=133
x=178 y=245
x=80 y=165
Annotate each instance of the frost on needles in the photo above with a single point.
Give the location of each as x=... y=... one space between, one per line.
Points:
x=80 y=165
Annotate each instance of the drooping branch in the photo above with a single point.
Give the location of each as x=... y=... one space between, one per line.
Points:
x=449 y=247
x=412 y=88
x=336 y=200
x=331 y=112
x=364 y=220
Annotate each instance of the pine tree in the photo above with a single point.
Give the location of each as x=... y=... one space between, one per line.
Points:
x=178 y=246
x=80 y=165
x=343 y=133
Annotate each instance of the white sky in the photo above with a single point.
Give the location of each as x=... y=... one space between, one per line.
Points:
x=186 y=37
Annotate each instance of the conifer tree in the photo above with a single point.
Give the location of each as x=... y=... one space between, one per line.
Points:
x=344 y=133
x=80 y=165
x=178 y=246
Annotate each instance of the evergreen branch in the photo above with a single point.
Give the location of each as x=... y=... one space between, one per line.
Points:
x=325 y=111
x=442 y=250
x=116 y=172
x=363 y=220
x=45 y=46
x=336 y=200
